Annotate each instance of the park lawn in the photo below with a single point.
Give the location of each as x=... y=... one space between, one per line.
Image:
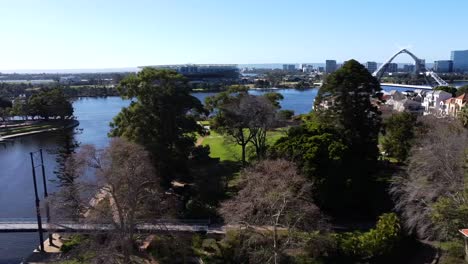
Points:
x=226 y=150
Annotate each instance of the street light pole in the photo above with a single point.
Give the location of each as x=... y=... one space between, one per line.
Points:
x=44 y=183
x=38 y=209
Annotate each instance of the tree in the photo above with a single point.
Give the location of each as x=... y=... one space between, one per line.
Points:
x=449 y=89
x=125 y=182
x=399 y=134
x=356 y=120
x=274 y=98
x=50 y=104
x=159 y=118
x=246 y=118
x=274 y=201
x=5 y=109
x=435 y=173
x=318 y=151
x=463 y=116
x=462 y=90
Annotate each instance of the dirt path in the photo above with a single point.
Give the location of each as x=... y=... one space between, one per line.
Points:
x=199 y=141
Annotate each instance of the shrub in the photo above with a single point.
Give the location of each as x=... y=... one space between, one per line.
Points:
x=373 y=243
x=72 y=243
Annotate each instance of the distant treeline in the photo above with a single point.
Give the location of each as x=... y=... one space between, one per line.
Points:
x=14 y=90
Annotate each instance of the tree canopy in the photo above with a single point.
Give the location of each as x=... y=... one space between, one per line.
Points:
x=159 y=118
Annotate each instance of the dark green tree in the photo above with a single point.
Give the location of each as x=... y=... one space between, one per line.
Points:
x=399 y=134
x=449 y=89
x=50 y=104
x=462 y=90
x=319 y=151
x=345 y=111
x=274 y=98
x=159 y=118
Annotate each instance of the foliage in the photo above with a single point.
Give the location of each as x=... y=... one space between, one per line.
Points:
x=462 y=90
x=449 y=89
x=430 y=193
x=463 y=116
x=158 y=119
x=72 y=243
x=45 y=104
x=318 y=150
x=453 y=252
x=399 y=134
x=274 y=98
x=373 y=243
x=285 y=114
x=450 y=215
x=273 y=202
x=125 y=187
x=356 y=121
x=246 y=118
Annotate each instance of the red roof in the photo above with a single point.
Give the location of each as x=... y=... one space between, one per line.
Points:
x=464 y=232
x=464 y=97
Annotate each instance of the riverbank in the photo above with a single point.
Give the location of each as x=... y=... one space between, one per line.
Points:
x=35 y=128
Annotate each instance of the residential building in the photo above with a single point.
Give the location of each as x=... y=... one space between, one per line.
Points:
x=431 y=102
x=452 y=106
x=443 y=66
x=371 y=66
x=289 y=67
x=460 y=60
x=403 y=102
x=330 y=66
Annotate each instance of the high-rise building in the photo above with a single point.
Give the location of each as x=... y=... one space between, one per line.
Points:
x=443 y=66
x=289 y=67
x=371 y=66
x=460 y=60
x=330 y=66
x=392 y=67
x=409 y=68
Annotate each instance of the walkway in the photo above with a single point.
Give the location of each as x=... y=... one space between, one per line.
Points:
x=30 y=225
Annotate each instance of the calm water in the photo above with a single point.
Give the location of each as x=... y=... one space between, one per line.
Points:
x=94 y=114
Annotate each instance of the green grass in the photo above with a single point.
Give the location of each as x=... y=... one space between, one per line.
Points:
x=227 y=150
x=221 y=147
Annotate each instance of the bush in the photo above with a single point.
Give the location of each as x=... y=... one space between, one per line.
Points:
x=373 y=243
x=72 y=243
x=285 y=114
x=453 y=249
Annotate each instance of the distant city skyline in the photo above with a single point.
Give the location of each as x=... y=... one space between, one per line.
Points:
x=55 y=34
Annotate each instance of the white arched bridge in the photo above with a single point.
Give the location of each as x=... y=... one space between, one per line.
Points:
x=419 y=65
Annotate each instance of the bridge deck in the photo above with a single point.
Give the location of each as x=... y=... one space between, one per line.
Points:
x=31 y=226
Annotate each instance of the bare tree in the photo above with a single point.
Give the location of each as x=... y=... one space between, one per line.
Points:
x=435 y=170
x=125 y=182
x=263 y=114
x=273 y=202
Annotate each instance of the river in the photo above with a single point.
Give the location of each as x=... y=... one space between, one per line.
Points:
x=94 y=115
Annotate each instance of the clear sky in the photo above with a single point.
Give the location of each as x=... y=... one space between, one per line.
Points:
x=76 y=34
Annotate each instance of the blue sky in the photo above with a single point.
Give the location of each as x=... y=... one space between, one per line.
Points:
x=66 y=34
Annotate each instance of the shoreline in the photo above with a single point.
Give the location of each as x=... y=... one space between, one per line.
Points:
x=72 y=124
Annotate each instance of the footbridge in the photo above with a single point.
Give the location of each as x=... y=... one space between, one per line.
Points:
x=419 y=65
x=9 y=225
